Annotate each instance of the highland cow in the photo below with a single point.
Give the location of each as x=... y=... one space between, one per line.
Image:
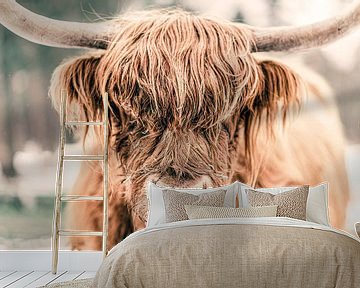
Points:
x=192 y=105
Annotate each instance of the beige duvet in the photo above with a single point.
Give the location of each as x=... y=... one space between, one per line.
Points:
x=234 y=253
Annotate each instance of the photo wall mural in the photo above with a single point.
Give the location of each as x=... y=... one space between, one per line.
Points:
x=200 y=95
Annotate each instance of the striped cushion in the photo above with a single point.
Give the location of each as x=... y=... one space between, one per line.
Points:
x=201 y=212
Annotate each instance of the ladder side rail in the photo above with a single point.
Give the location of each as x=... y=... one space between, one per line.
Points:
x=106 y=175
x=58 y=187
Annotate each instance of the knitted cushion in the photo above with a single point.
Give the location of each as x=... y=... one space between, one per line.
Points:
x=290 y=204
x=175 y=201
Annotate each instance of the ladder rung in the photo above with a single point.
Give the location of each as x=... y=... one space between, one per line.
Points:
x=81 y=198
x=79 y=233
x=74 y=123
x=83 y=157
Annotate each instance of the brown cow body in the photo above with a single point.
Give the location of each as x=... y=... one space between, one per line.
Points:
x=309 y=149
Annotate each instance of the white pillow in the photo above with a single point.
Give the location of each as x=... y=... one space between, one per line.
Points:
x=316 y=206
x=243 y=201
x=156 y=207
x=357 y=228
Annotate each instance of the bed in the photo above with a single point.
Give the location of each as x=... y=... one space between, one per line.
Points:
x=215 y=237
x=234 y=252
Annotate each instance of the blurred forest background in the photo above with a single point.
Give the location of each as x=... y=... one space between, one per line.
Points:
x=29 y=126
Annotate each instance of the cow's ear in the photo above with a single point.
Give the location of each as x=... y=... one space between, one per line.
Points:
x=278 y=90
x=76 y=78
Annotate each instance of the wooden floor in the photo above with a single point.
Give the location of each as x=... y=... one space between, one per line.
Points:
x=30 y=269
x=32 y=279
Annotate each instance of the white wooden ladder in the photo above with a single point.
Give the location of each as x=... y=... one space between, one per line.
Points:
x=60 y=197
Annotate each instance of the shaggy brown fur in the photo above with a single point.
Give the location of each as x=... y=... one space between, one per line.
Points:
x=188 y=101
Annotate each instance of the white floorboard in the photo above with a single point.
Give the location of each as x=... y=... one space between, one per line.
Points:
x=35 y=279
x=87 y=275
x=5 y=274
x=12 y=278
x=28 y=279
x=68 y=276
x=46 y=279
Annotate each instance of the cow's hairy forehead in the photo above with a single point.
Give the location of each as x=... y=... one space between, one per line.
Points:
x=188 y=69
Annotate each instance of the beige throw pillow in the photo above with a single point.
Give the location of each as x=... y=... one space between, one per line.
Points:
x=290 y=204
x=201 y=212
x=175 y=201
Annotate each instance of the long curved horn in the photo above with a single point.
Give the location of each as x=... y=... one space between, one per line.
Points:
x=50 y=32
x=303 y=37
